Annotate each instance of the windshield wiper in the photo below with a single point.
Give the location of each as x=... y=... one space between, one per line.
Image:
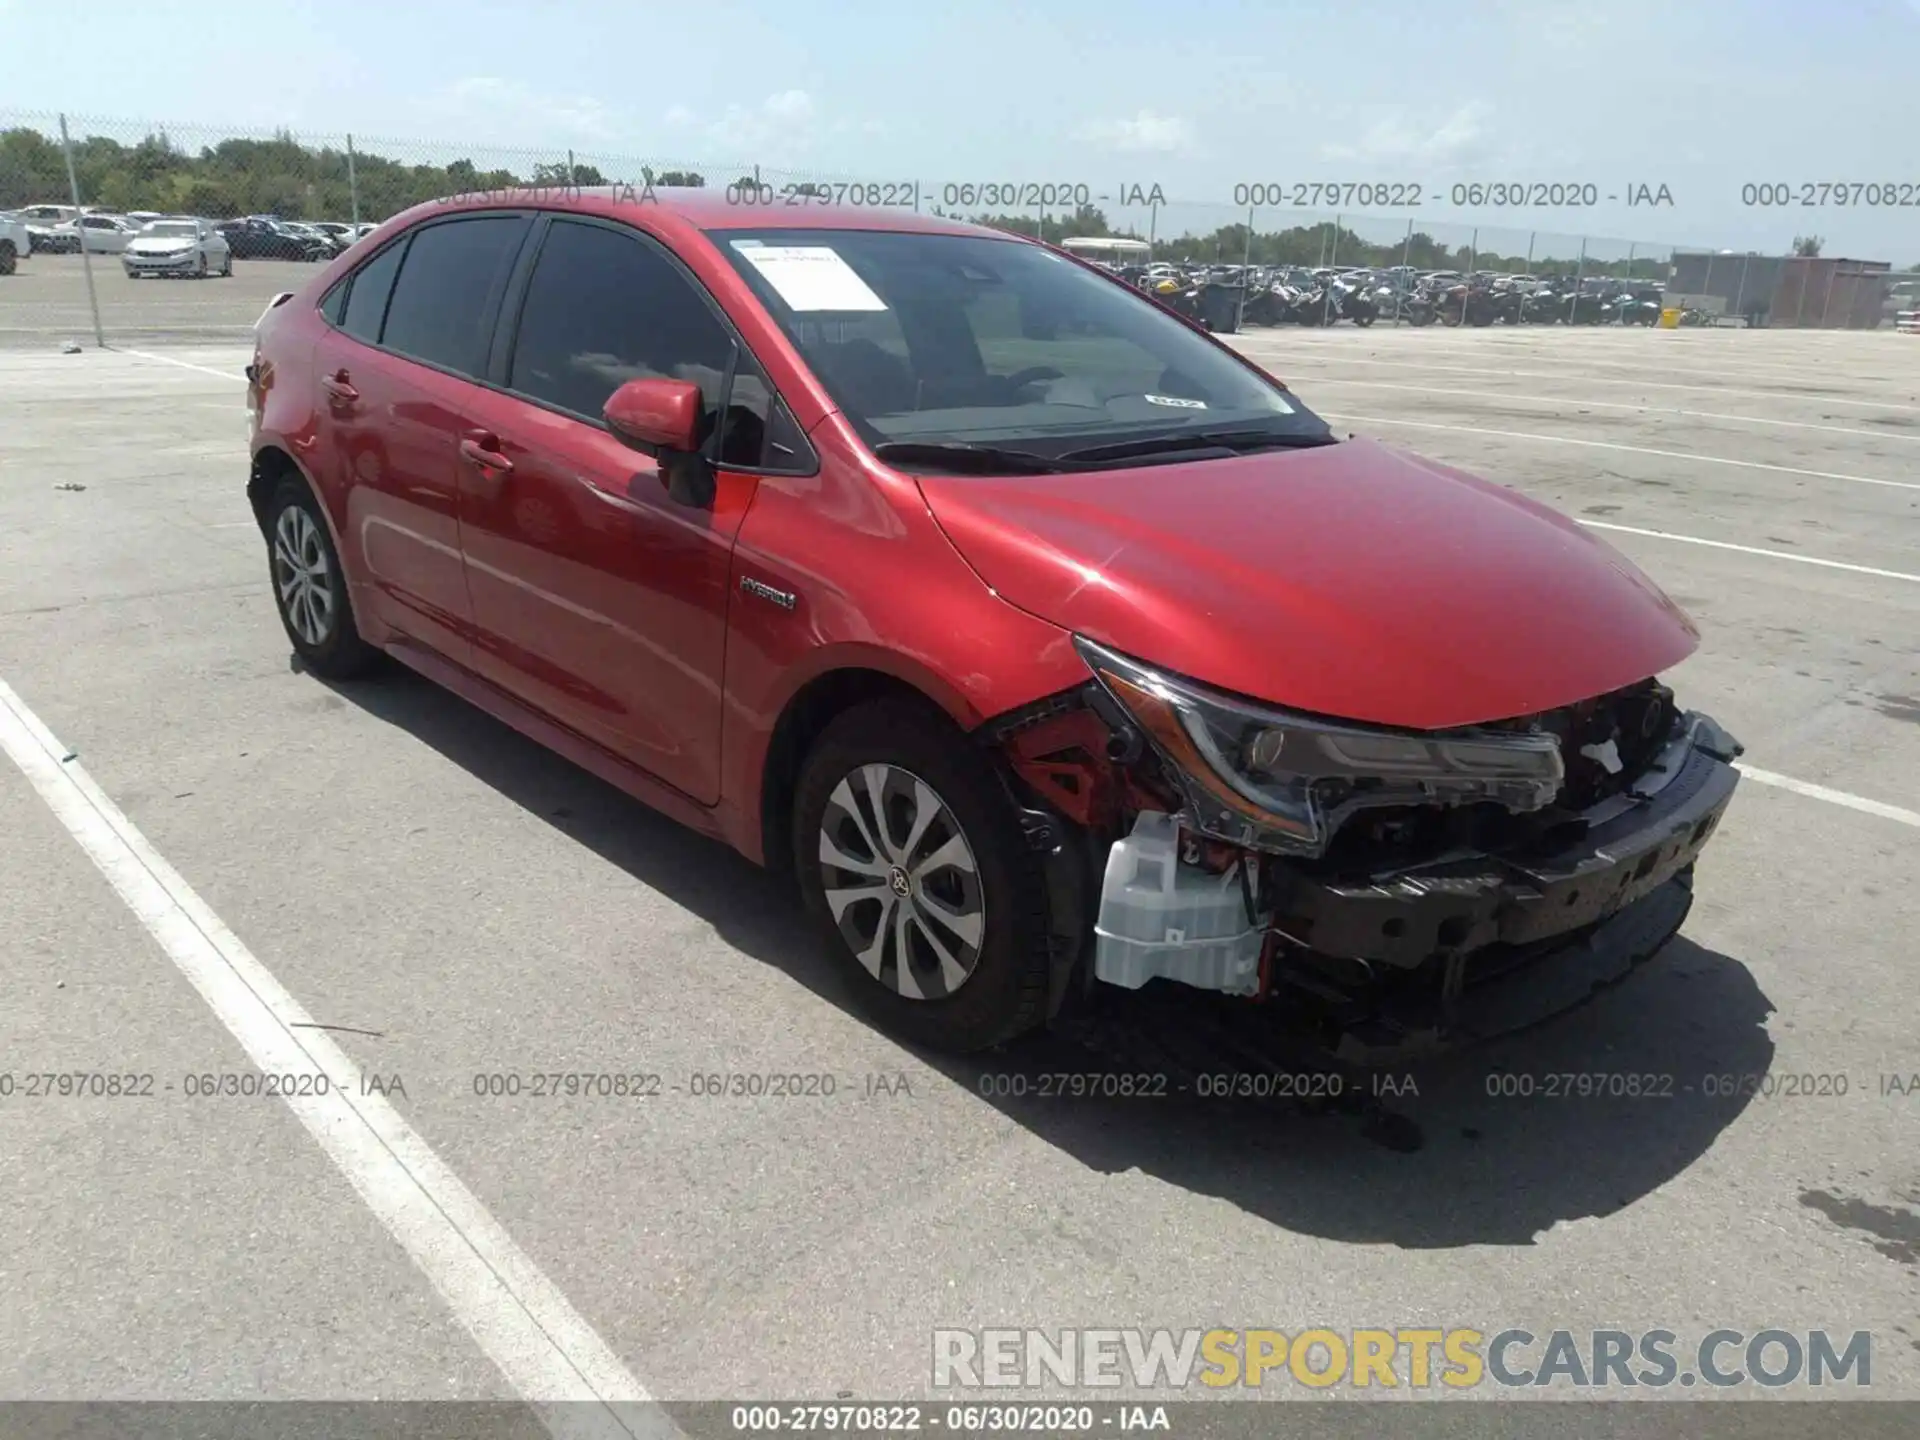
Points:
x=976 y=459
x=1236 y=441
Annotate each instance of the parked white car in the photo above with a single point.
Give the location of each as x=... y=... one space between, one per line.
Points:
x=14 y=242
x=339 y=230
x=104 y=234
x=178 y=247
x=48 y=227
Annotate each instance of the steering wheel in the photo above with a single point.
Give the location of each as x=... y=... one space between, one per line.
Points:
x=1032 y=375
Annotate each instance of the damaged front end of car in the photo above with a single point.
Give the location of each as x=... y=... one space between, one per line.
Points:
x=1393 y=893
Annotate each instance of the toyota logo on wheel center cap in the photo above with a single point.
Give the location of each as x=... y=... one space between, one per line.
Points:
x=897 y=878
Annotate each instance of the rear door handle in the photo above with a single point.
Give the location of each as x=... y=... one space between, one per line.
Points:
x=486 y=456
x=338 y=388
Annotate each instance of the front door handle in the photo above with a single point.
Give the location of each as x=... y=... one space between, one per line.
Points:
x=336 y=385
x=486 y=456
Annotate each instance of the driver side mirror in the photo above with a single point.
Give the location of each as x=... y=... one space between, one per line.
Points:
x=656 y=412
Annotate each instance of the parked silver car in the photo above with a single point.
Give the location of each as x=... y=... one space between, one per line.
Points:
x=14 y=241
x=178 y=247
x=103 y=234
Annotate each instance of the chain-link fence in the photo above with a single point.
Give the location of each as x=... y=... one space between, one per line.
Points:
x=81 y=189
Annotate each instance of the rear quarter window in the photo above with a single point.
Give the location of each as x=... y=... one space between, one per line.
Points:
x=335 y=305
x=369 y=287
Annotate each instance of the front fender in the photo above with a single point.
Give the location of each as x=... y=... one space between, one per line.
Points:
x=875 y=586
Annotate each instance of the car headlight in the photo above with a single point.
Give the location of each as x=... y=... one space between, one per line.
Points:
x=1265 y=778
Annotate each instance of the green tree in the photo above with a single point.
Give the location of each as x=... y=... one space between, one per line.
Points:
x=1808 y=246
x=31 y=169
x=560 y=175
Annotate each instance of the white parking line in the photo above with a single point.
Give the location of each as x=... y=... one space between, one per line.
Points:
x=1569 y=401
x=183 y=364
x=1752 y=550
x=1832 y=797
x=1630 y=449
x=1301 y=354
x=548 y=1353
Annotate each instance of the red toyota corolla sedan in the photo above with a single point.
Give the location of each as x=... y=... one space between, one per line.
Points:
x=1047 y=642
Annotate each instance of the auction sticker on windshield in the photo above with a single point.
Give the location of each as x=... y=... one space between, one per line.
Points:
x=810 y=277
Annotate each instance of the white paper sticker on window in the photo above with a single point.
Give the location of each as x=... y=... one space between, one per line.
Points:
x=1175 y=400
x=811 y=277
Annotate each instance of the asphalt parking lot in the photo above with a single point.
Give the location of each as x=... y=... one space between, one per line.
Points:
x=44 y=302
x=452 y=902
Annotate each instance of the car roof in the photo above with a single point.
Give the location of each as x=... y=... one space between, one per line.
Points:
x=702 y=210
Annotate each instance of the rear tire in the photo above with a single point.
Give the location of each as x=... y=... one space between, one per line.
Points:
x=310 y=586
x=935 y=886
x=9 y=257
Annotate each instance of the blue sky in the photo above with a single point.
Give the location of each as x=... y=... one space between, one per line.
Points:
x=1702 y=96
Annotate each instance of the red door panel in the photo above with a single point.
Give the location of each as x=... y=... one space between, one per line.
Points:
x=395 y=428
x=597 y=597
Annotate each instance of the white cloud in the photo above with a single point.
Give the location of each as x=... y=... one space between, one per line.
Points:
x=511 y=112
x=1396 y=137
x=792 y=106
x=780 y=125
x=1145 y=132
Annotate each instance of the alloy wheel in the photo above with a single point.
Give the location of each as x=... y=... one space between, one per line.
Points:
x=902 y=882
x=302 y=576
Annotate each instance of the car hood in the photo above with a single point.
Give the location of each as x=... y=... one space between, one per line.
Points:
x=1348 y=580
x=161 y=244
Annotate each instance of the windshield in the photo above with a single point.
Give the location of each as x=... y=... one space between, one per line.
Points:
x=172 y=227
x=971 y=340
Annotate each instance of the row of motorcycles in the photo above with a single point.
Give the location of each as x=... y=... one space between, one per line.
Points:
x=1457 y=303
x=1298 y=298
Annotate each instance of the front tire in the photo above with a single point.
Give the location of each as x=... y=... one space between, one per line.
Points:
x=912 y=863
x=310 y=588
x=9 y=257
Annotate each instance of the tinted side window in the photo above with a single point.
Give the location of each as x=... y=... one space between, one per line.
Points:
x=335 y=305
x=760 y=433
x=367 y=300
x=439 y=308
x=604 y=308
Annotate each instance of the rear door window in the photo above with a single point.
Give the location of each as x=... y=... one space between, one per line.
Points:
x=441 y=310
